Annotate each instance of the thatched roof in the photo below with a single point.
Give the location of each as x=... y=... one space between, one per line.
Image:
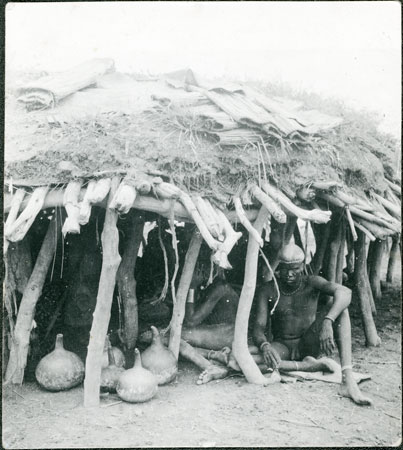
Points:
x=213 y=138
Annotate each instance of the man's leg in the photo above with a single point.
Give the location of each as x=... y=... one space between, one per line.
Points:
x=213 y=337
x=349 y=387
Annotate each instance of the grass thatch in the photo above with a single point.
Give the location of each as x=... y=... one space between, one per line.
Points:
x=172 y=142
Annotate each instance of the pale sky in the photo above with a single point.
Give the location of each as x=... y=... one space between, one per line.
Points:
x=349 y=50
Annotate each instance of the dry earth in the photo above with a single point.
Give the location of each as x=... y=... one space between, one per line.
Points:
x=225 y=413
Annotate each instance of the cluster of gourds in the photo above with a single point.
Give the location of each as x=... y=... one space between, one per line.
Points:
x=62 y=370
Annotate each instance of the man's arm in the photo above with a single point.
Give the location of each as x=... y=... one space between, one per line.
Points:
x=270 y=355
x=341 y=301
x=341 y=295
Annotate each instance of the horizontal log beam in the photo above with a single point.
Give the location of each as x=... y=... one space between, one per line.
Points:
x=143 y=202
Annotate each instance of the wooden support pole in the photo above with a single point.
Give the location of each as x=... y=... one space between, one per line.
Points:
x=333 y=248
x=178 y=312
x=26 y=312
x=371 y=335
x=110 y=263
x=375 y=265
x=322 y=238
x=126 y=281
x=340 y=255
x=350 y=257
x=393 y=257
x=240 y=343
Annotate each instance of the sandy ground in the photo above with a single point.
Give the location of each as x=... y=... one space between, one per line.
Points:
x=229 y=412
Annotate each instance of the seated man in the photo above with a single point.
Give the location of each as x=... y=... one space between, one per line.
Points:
x=216 y=304
x=300 y=332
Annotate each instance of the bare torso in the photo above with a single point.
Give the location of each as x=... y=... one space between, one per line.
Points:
x=294 y=313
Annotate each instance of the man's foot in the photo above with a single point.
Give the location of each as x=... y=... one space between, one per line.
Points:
x=212 y=373
x=221 y=356
x=321 y=365
x=349 y=388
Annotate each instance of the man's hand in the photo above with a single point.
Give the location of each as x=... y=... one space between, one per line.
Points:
x=270 y=356
x=326 y=340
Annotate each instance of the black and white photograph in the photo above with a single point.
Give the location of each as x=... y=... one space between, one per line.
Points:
x=202 y=224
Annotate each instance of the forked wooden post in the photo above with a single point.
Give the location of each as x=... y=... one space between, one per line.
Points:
x=110 y=263
x=26 y=312
x=360 y=275
x=126 y=280
x=178 y=312
x=240 y=344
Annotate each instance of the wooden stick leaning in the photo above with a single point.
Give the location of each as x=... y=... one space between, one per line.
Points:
x=26 y=312
x=17 y=199
x=376 y=230
x=395 y=189
x=110 y=264
x=18 y=229
x=245 y=222
x=208 y=215
x=391 y=207
x=274 y=209
x=351 y=224
x=365 y=231
x=359 y=213
x=169 y=191
x=314 y=215
x=350 y=200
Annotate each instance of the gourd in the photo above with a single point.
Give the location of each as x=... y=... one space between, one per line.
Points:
x=110 y=374
x=137 y=384
x=120 y=360
x=159 y=360
x=59 y=370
